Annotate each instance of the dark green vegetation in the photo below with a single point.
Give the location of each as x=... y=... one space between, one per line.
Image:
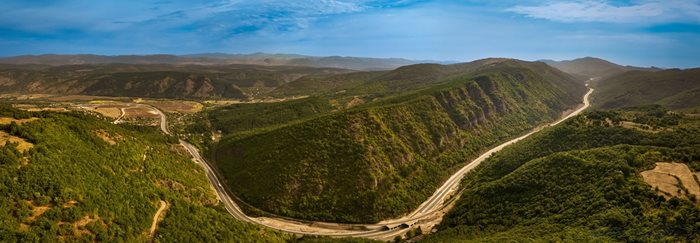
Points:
x=383 y=158
x=74 y=185
x=591 y=67
x=580 y=181
x=408 y=78
x=159 y=81
x=242 y=117
x=674 y=88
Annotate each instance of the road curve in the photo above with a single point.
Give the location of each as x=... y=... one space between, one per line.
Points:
x=386 y=229
x=154 y=224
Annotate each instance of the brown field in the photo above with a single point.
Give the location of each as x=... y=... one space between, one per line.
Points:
x=28 y=107
x=668 y=178
x=140 y=112
x=111 y=112
x=180 y=106
x=62 y=98
x=24 y=96
x=22 y=146
x=8 y=120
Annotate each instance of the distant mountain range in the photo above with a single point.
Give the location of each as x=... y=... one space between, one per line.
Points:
x=354 y=63
x=591 y=67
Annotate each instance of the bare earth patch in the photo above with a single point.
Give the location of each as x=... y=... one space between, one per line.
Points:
x=672 y=180
x=8 y=120
x=70 y=204
x=105 y=136
x=79 y=226
x=37 y=211
x=22 y=146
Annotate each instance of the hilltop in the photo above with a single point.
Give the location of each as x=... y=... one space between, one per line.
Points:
x=83 y=179
x=591 y=67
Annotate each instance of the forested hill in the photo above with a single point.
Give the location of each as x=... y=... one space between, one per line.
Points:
x=74 y=177
x=410 y=77
x=673 y=88
x=580 y=182
x=383 y=158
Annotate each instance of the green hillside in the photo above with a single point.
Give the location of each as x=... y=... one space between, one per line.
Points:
x=676 y=89
x=383 y=158
x=406 y=78
x=580 y=181
x=243 y=117
x=87 y=180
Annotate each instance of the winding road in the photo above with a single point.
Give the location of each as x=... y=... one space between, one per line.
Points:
x=430 y=211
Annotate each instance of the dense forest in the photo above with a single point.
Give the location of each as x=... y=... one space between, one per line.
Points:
x=580 y=181
x=383 y=158
x=85 y=179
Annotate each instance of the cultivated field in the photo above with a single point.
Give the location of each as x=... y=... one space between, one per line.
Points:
x=176 y=106
x=672 y=180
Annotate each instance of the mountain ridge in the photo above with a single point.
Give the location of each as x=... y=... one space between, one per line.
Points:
x=391 y=151
x=593 y=67
x=259 y=58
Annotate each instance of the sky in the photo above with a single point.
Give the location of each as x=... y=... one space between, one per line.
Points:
x=662 y=33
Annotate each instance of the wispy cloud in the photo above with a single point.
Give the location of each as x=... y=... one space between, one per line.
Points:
x=641 y=11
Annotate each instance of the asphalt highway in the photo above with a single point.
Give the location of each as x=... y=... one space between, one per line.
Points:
x=385 y=230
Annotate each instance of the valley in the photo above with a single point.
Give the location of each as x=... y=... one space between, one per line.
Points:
x=470 y=113
x=350 y=121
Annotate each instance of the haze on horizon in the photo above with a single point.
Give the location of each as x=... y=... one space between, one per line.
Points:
x=630 y=32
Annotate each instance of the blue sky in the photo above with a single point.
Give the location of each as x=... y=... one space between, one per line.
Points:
x=662 y=33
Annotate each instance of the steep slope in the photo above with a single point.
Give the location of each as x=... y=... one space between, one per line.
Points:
x=591 y=67
x=84 y=179
x=192 y=81
x=580 y=181
x=382 y=159
x=676 y=89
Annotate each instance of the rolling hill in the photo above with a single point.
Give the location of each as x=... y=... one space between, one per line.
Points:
x=381 y=159
x=162 y=81
x=580 y=181
x=71 y=177
x=263 y=59
x=591 y=67
x=673 y=88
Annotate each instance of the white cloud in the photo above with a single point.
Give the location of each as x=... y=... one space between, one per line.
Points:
x=643 y=11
